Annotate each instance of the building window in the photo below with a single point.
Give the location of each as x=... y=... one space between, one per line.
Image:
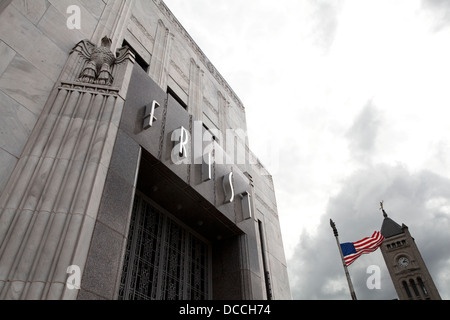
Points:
x=422 y=286
x=408 y=292
x=397 y=244
x=139 y=60
x=413 y=285
x=172 y=93
x=211 y=134
x=164 y=260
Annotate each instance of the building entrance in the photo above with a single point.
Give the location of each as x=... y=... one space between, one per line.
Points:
x=164 y=259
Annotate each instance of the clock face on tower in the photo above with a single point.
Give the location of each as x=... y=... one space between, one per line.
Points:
x=403 y=262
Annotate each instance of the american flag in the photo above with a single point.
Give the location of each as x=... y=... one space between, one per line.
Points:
x=353 y=250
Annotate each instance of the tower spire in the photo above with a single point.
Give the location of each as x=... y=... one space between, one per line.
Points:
x=381 y=208
x=389 y=227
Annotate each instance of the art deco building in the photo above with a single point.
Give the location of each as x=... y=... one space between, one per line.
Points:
x=125 y=169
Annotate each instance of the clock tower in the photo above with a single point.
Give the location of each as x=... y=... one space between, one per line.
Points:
x=407 y=269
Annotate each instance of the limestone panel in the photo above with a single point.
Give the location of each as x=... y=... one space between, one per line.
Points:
x=144 y=12
x=54 y=25
x=88 y=21
x=279 y=280
x=27 y=40
x=25 y=84
x=273 y=232
x=210 y=93
x=95 y=7
x=4 y=4
x=7 y=55
x=141 y=34
x=178 y=80
x=16 y=124
x=265 y=201
x=7 y=164
x=32 y=9
x=181 y=60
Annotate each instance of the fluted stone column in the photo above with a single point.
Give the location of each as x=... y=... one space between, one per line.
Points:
x=49 y=206
x=113 y=22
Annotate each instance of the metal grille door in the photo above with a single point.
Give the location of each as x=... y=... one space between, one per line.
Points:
x=163 y=260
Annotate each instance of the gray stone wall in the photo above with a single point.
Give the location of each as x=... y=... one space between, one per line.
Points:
x=34 y=45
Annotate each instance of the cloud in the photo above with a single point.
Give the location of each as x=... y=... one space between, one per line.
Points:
x=439 y=11
x=420 y=200
x=363 y=133
x=324 y=19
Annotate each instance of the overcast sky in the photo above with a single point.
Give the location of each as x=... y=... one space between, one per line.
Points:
x=348 y=104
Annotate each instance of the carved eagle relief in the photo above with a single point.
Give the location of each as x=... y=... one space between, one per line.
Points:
x=98 y=69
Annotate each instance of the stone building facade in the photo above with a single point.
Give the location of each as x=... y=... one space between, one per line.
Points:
x=125 y=169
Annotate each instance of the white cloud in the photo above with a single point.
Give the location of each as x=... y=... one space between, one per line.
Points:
x=439 y=13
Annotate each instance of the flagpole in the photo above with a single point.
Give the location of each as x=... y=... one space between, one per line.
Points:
x=350 y=285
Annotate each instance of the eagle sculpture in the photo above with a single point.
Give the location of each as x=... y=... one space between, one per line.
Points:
x=98 y=69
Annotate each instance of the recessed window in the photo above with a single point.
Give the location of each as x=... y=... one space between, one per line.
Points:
x=408 y=292
x=422 y=286
x=172 y=93
x=139 y=60
x=213 y=137
x=413 y=285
